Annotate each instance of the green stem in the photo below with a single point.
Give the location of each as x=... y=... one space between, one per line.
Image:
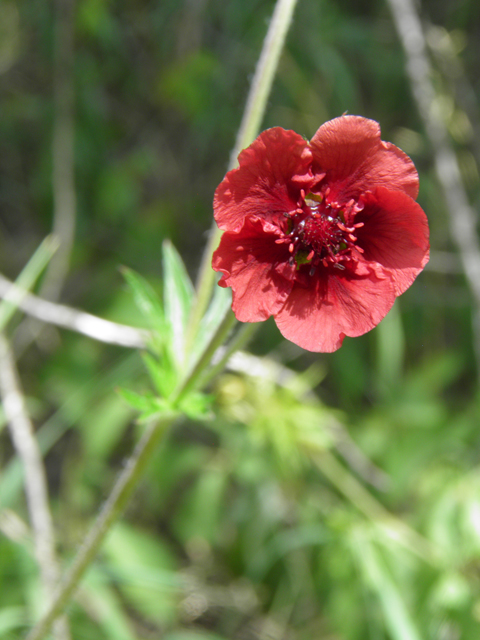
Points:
x=263 y=79
x=243 y=336
x=218 y=339
x=28 y=277
x=249 y=128
x=109 y=513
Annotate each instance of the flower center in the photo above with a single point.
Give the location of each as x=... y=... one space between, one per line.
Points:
x=318 y=233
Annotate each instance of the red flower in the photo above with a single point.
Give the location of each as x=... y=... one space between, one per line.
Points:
x=321 y=235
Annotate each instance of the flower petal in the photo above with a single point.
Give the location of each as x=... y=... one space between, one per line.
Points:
x=350 y=151
x=271 y=172
x=256 y=268
x=395 y=234
x=317 y=318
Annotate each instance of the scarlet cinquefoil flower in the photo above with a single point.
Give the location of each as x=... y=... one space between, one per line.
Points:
x=321 y=235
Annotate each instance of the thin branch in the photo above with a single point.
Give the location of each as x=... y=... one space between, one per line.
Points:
x=251 y=121
x=72 y=319
x=441 y=44
x=461 y=214
x=36 y=491
x=63 y=175
x=63 y=165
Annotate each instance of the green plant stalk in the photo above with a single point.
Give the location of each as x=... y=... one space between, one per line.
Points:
x=249 y=127
x=124 y=487
x=243 y=336
x=27 y=278
x=111 y=510
x=217 y=340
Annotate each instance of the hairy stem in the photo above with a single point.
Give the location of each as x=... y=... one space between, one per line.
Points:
x=111 y=510
x=252 y=118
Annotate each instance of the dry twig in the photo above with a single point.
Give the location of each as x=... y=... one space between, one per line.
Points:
x=36 y=491
x=462 y=216
x=72 y=319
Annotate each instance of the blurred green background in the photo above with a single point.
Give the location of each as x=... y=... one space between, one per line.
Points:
x=239 y=531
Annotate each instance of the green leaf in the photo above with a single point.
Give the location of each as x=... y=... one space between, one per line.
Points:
x=197 y=406
x=146 y=300
x=193 y=635
x=164 y=378
x=27 y=278
x=144 y=569
x=12 y=618
x=396 y=615
x=178 y=297
x=108 y=606
x=145 y=403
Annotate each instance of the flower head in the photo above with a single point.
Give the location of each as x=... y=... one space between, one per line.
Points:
x=323 y=235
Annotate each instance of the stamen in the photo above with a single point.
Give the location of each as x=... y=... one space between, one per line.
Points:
x=322 y=232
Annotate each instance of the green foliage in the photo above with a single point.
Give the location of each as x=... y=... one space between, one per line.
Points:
x=178 y=299
x=242 y=528
x=169 y=320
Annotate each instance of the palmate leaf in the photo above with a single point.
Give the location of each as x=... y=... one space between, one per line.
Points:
x=163 y=378
x=162 y=343
x=147 y=404
x=178 y=296
x=146 y=299
x=197 y=406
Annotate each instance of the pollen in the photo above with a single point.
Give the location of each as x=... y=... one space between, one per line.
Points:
x=318 y=233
